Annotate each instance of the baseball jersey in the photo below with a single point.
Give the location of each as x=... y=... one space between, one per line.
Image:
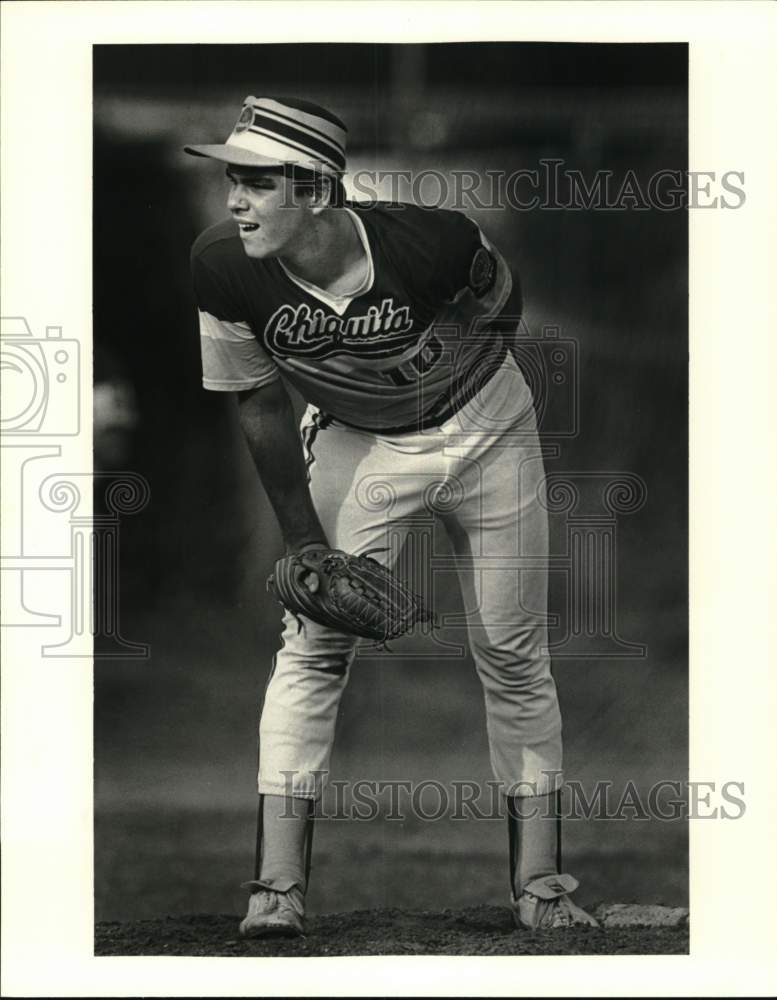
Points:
x=401 y=348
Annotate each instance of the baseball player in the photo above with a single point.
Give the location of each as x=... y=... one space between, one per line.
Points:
x=394 y=323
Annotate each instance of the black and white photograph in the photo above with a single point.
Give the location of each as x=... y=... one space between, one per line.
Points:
x=386 y=557
x=404 y=329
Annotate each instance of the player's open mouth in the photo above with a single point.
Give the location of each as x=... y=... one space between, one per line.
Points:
x=248 y=227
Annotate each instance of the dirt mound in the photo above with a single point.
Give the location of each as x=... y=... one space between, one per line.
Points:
x=480 y=930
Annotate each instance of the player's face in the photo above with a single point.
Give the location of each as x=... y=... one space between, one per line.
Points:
x=270 y=219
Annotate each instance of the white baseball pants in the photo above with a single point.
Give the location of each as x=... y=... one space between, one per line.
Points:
x=479 y=474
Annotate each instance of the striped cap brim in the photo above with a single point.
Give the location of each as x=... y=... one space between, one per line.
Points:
x=233 y=154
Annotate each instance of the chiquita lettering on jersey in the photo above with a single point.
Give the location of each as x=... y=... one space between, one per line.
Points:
x=320 y=334
x=377 y=359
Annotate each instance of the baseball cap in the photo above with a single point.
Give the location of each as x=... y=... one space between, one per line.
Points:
x=273 y=131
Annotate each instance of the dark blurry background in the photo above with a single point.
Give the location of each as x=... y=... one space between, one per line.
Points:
x=175 y=735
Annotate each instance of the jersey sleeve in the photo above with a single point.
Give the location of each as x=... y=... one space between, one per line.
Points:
x=469 y=265
x=232 y=358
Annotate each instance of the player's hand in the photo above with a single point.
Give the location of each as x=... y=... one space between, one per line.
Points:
x=352 y=594
x=310 y=580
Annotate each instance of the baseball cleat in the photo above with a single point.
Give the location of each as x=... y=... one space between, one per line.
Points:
x=544 y=904
x=276 y=908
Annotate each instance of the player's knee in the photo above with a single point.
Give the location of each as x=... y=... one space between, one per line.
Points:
x=313 y=642
x=305 y=665
x=507 y=645
x=517 y=658
x=337 y=667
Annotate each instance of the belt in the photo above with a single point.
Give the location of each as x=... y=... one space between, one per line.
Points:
x=445 y=406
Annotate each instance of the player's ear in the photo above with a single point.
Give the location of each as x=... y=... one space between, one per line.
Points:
x=312 y=190
x=320 y=195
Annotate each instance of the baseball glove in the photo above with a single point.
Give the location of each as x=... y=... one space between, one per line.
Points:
x=353 y=594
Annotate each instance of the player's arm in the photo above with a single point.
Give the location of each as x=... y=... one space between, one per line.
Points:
x=474 y=277
x=233 y=361
x=270 y=428
x=508 y=318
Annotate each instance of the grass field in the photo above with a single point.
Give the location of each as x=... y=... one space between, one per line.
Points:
x=175 y=758
x=483 y=930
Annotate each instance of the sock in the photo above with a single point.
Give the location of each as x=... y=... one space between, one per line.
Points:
x=534 y=837
x=285 y=823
